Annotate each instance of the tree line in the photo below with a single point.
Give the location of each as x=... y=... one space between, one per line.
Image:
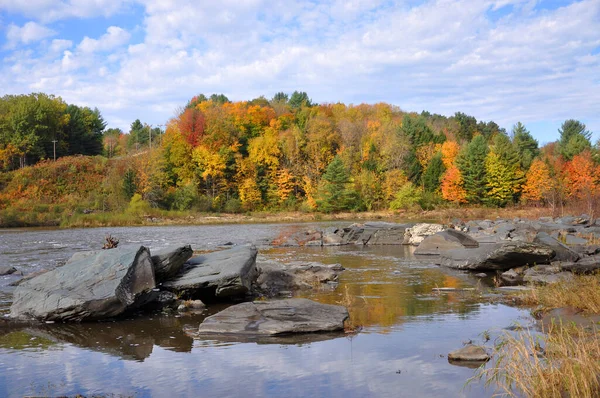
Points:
x=289 y=153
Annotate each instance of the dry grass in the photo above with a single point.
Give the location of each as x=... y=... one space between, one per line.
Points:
x=563 y=363
x=582 y=292
x=349 y=301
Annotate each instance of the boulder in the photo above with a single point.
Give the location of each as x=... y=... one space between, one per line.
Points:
x=546 y=274
x=563 y=253
x=269 y=318
x=28 y=277
x=222 y=274
x=445 y=240
x=498 y=256
x=469 y=352
x=98 y=286
x=167 y=262
x=275 y=278
x=7 y=270
x=417 y=234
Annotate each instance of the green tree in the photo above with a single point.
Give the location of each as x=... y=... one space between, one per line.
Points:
x=280 y=97
x=299 y=99
x=138 y=135
x=433 y=173
x=219 y=99
x=574 y=139
x=129 y=183
x=84 y=131
x=335 y=193
x=467 y=125
x=471 y=163
x=525 y=144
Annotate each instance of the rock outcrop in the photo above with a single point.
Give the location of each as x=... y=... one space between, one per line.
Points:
x=498 y=256
x=102 y=285
x=168 y=262
x=223 y=274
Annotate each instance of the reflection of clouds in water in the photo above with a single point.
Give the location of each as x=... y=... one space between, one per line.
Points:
x=363 y=366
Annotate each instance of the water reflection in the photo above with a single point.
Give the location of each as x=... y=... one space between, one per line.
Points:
x=408 y=328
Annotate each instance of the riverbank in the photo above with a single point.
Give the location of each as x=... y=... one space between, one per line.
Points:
x=46 y=217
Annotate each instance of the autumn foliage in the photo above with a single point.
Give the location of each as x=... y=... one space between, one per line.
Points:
x=279 y=154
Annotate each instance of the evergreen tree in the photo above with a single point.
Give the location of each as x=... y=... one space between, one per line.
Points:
x=574 y=139
x=129 y=183
x=471 y=163
x=433 y=173
x=525 y=144
x=299 y=99
x=335 y=194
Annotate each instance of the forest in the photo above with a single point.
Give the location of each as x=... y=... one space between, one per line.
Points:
x=283 y=154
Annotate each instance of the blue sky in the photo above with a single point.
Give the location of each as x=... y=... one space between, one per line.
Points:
x=537 y=62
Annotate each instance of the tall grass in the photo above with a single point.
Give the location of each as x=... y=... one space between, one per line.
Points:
x=563 y=363
x=582 y=293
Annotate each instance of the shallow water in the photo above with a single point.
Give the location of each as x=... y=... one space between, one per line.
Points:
x=407 y=329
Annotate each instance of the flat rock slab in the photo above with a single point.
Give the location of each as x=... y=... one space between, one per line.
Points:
x=222 y=274
x=168 y=262
x=271 y=318
x=499 y=256
x=445 y=240
x=469 y=353
x=275 y=278
x=98 y=286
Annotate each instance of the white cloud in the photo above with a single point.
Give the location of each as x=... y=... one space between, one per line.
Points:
x=113 y=38
x=59 y=45
x=444 y=56
x=29 y=33
x=53 y=10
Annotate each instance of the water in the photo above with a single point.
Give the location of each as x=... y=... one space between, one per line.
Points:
x=407 y=329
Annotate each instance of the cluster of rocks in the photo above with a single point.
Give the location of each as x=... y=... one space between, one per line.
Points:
x=101 y=284
x=542 y=251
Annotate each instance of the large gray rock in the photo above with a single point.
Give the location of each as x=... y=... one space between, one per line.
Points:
x=7 y=270
x=445 y=240
x=222 y=274
x=417 y=234
x=275 y=278
x=563 y=253
x=98 y=286
x=275 y=318
x=168 y=262
x=498 y=256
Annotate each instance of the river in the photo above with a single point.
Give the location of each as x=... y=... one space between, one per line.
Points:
x=408 y=327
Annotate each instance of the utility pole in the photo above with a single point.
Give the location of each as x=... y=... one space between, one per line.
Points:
x=54 y=144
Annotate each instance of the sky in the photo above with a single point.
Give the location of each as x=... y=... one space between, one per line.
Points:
x=537 y=62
